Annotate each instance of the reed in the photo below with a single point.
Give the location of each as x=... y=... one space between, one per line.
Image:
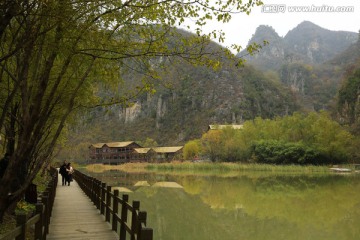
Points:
x=236 y=167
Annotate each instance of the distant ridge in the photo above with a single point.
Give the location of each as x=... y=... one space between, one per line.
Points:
x=306 y=43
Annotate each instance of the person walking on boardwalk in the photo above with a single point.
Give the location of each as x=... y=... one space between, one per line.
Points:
x=69 y=171
x=63 y=173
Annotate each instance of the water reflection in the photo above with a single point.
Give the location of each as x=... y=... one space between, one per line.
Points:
x=246 y=206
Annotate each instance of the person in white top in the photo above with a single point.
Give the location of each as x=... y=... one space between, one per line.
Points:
x=69 y=171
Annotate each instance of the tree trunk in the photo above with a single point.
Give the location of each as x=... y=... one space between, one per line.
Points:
x=13 y=183
x=8 y=201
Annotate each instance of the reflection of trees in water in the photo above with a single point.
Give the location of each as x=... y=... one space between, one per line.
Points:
x=248 y=207
x=117 y=178
x=296 y=183
x=174 y=214
x=311 y=201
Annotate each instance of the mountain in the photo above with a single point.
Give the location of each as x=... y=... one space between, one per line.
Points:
x=310 y=60
x=347 y=57
x=196 y=98
x=348 y=97
x=271 y=56
x=317 y=45
x=189 y=98
x=306 y=43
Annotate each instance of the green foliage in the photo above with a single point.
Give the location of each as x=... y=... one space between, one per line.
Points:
x=192 y=149
x=277 y=152
x=24 y=207
x=348 y=98
x=56 y=56
x=211 y=144
x=295 y=139
x=149 y=142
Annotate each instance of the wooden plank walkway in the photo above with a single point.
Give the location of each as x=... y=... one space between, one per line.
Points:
x=74 y=216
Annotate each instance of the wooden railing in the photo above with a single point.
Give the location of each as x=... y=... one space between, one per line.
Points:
x=41 y=218
x=108 y=203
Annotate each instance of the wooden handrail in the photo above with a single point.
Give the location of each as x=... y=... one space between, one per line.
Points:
x=41 y=219
x=102 y=197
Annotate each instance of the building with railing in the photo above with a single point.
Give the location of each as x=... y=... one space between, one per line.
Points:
x=112 y=152
x=124 y=152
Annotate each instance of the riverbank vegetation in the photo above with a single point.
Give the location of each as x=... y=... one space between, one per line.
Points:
x=227 y=167
x=301 y=139
x=9 y=221
x=207 y=167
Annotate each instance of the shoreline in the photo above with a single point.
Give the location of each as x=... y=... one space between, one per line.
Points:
x=196 y=166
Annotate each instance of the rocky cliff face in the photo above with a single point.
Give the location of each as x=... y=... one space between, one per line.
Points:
x=199 y=96
x=297 y=76
x=270 y=56
x=129 y=114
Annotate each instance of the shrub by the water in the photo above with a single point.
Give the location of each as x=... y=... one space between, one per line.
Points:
x=278 y=152
x=297 y=139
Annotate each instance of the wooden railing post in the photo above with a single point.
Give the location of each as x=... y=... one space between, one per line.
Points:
x=39 y=225
x=101 y=196
x=144 y=233
x=98 y=193
x=108 y=203
x=51 y=199
x=45 y=201
x=21 y=222
x=92 y=190
x=115 y=208
x=134 y=219
x=102 y=199
x=124 y=214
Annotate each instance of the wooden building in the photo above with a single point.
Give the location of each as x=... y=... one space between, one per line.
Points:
x=142 y=155
x=95 y=152
x=163 y=154
x=123 y=152
x=112 y=153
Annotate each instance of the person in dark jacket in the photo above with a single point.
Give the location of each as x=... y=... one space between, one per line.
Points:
x=63 y=173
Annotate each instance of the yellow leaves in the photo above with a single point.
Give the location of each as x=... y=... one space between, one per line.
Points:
x=24 y=207
x=191 y=149
x=253 y=47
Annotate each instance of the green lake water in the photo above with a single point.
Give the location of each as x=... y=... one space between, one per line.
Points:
x=246 y=206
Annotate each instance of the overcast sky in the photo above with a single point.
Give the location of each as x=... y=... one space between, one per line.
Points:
x=283 y=15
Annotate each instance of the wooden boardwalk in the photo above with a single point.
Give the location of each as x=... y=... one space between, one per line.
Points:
x=74 y=216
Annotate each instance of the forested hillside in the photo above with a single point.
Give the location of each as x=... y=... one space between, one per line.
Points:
x=348 y=100
x=186 y=99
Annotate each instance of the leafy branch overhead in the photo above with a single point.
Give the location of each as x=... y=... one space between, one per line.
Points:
x=56 y=55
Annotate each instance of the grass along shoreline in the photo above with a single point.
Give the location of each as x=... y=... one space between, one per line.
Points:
x=239 y=167
x=195 y=166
